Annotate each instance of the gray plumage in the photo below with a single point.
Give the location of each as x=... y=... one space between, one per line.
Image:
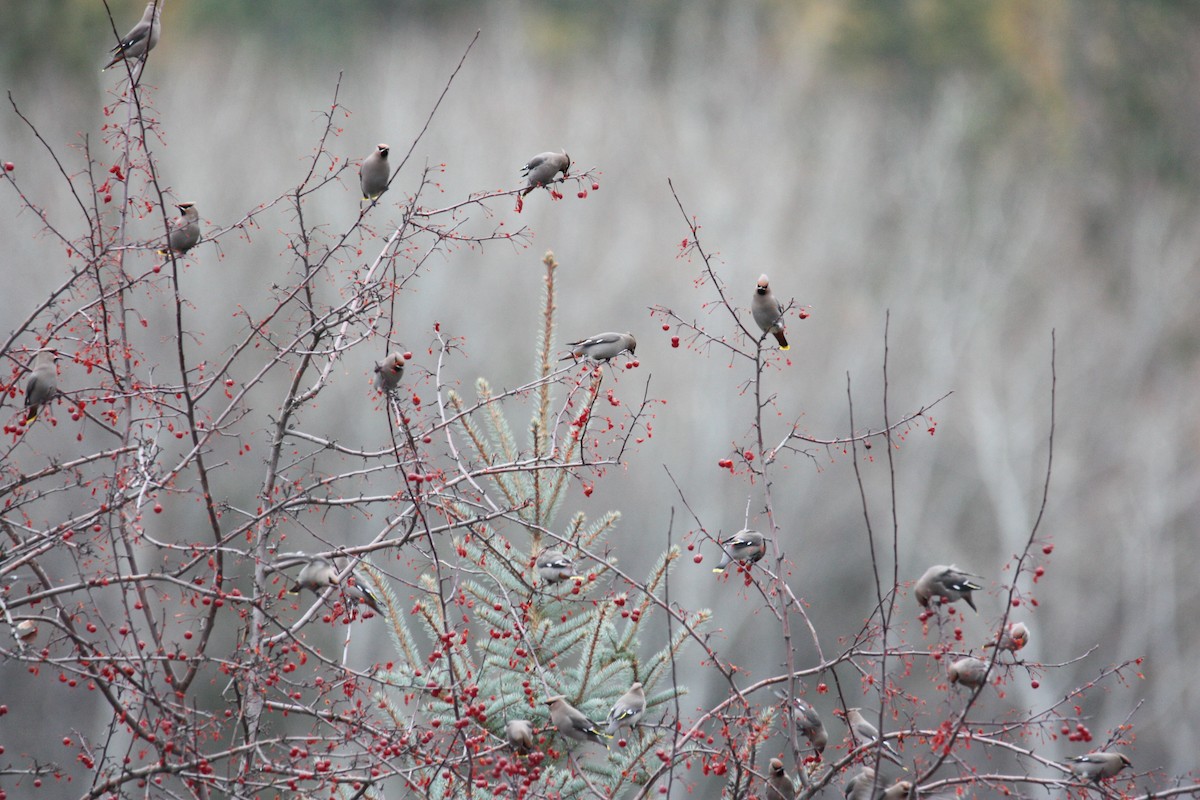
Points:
x=572 y=723
x=358 y=590
x=316 y=575
x=602 y=346
x=969 y=671
x=744 y=547
x=628 y=710
x=947 y=583
x=519 y=733
x=861 y=785
x=374 y=173
x=1099 y=766
x=897 y=791
x=553 y=566
x=768 y=312
x=142 y=38
x=43 y=383
x=389 y=372
x=779 y=785
x=185 y=230
x=1014 y=637
x=808 y=722
x=541 y=169
x=864 y=732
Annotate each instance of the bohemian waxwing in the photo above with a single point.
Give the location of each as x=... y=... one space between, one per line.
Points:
x=628 y=710
x=542 y=168
x=768 y=312
x=947 y=583
x=374 y=173
x=142 y=38
x=388 y=373
x=602 y=346
x=185 y=230
x=572 y=723
x=744 y=547
x=43 y=383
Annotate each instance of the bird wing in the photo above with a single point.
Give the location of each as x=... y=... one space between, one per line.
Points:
x=139 y=32
x=533 y=163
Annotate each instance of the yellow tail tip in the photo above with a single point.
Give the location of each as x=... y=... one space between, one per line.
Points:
x=718 y=569
x=785 y=347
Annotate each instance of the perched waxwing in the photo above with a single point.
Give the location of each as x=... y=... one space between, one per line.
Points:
x=572 y=724
x=861 y=785
x=358 y=590
x=553 y=566
x=602 y=346
x=808 y=722
x=1099 y=766
x=947 y=583
x=374 y=173
x=1014 y=637
x=520 y=735
x=864 y=732
x=970 y=672
x=542 y=168
x=26 y=631
x=142 y=38
x=389 y=372
x=43 y=383
x=628 y=710
x=745 y=547
x=185 y=230
x=779 y=785
x=768 y=312
x=897 y=791
x=316 y=575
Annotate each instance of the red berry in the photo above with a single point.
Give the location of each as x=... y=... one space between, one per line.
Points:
x=407 y=355
x=697 y=558
x=1034 y=684
x=9 y=166
x=666 y=327
x=1048 y=549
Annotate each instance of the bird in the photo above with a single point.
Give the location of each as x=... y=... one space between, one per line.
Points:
x=520 y=735
x=768 y=312
x=571 y=722
x=26 y=631
x=897 y=791
x=542 y=168
x=553 y=566
x=864 y=732
x=1099 y=766
x=358 y=590
x=860 y=785
x=969 y=671
x=43 y=383
x=602 y=346
x=374 y=173
x=809 y=723
x=948 y=583
x=1014 y=637
x=779 y=785
x=388 y=373
x=316 y=575
x=744 y=547
x=628 y=710
x=142 y=38
x=185 y=230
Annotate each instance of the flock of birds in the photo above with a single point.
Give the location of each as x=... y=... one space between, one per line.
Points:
x=940 y=584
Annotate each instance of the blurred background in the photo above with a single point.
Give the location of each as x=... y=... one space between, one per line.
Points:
x=987 y=171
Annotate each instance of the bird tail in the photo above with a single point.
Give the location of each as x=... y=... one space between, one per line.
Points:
x=779 y=337
x=295 y=589
x=32 y=415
